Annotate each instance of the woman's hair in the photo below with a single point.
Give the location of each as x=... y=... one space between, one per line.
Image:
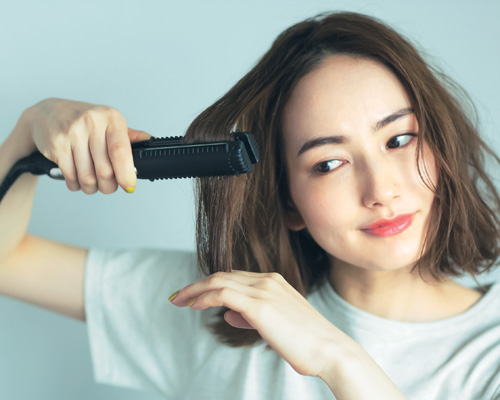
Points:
x=241 y=221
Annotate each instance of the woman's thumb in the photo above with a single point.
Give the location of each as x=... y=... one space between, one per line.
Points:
x=137 y=136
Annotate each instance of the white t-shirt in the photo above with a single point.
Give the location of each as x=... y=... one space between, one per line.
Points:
x=139 y=340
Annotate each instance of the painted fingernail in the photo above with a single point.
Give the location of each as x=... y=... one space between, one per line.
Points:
x=173 y=296
x=192 y=302
x=129 y=189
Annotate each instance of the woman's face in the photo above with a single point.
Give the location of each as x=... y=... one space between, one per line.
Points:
x=350 y=145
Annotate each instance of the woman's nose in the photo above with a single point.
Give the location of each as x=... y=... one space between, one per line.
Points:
x=380 y=185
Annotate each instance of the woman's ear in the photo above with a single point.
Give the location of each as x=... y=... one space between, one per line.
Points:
x=294 y=220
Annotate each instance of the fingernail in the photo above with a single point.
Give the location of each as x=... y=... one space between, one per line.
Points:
x=173 y=296
x=225 y=315
x=192 y=302
x=129 y=189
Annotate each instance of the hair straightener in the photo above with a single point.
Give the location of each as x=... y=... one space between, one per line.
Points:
x=164 y=158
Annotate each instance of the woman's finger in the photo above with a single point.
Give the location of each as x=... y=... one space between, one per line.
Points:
x=84 y=163
x=66 y=164
x=237 y=320
x=229 y=297
x=105 y=175
x=267 y=283
x=120 y=151
x=136 y=136
x=270 y=281
x=214 y=283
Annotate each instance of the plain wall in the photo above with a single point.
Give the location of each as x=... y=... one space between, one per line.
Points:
x=160 y=63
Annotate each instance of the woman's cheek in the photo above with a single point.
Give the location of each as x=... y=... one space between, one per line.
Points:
x=328 y=214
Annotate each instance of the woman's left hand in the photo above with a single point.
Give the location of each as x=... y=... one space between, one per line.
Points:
x=268 y=303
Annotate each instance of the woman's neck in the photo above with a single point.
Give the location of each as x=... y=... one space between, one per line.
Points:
x=402 y=294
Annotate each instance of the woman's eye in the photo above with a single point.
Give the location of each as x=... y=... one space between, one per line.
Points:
x=327 y=166
x=400 y=140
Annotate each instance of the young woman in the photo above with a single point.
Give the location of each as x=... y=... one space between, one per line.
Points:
x=331 y=260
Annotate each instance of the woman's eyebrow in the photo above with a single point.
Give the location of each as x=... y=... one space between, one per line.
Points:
x=321 y=141
x=393 y=117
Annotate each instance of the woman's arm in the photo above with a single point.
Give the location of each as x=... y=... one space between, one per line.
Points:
x=353 y=374
x=91 y=145
x=294 y=329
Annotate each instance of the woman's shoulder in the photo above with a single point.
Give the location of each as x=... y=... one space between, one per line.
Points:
x=491 y=294
x=141 y=256
x=141 y=265
x=148 y=254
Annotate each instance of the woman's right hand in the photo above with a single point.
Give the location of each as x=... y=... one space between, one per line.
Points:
x=90 y=143
x=91 y=146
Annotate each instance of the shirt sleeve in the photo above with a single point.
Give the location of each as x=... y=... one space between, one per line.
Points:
x=137 y=338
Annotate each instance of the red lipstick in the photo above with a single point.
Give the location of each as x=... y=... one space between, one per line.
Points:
x=390 y=227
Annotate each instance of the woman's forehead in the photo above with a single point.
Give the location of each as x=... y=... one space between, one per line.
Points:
x=344 y=94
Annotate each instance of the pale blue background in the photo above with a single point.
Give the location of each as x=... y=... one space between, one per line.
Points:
x=160 y=63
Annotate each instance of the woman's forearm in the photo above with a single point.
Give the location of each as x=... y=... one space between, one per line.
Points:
x=354 y=375
x=15 y=207
x=269 y=304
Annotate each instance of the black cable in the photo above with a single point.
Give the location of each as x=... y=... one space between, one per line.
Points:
x=36 y=164
x=11 y=177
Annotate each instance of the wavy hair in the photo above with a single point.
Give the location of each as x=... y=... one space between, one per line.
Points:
x=241 y=221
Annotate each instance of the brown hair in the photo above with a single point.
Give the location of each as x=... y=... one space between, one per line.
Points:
x=241 y=221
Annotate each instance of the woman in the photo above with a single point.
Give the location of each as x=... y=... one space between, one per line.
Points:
x=371 y=193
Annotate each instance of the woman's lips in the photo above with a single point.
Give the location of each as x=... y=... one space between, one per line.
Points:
x=390 y=227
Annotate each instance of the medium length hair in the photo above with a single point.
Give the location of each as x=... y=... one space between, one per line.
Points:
x=241 y=221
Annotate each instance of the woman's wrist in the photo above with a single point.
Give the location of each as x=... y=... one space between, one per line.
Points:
x=23 y=132
x=17 y=145
x=20 y=141
x=351 y=373
x=338 y=355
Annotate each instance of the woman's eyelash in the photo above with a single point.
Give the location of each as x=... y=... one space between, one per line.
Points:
x=400 y=140
x=327 y=166
x=395 y=142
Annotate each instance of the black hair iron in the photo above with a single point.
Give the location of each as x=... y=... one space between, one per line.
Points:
x=164 y=158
